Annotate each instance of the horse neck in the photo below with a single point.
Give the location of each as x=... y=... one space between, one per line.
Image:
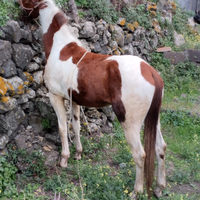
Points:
x=47 y=15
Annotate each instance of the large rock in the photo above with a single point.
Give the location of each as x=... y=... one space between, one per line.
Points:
x=108 y=111
x=4 y=139
x=36 y=122
x=17 y=84
x=139 y=34
x=5 y=88
x=22 y=54
x=37 y=43
x=46 y=110
x=175 y=57
x=96 y=47
x=118 y=35
x=8 y=69
x=73 y=30
x=30 y=93
x=178 y=39
x=20 y=141
x=193 y=55
x=85 y=45
x=88 y=30
x=51 y=157
x=128 y=38
x=26 y=35
x=5 y=51
x=2 y=34
x=13 y=31
x=7 y=104
x=10 y=121
x=101 y=29
x=38 y=77
x=128 y=49
x=31 y=67
x=22 y=99
x=28 y=107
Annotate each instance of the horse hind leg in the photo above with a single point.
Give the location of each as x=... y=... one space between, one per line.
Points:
x=58 y=104
x=132 y=134
x=76 y=127
x=160 y=155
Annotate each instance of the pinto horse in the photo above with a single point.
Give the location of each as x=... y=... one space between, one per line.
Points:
x=128 y=83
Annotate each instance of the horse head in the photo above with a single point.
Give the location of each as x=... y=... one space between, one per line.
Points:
x=32 y=7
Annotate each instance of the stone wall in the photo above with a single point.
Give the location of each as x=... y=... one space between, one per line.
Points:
x=25 y=110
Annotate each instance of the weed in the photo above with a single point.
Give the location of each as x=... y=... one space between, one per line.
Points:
x=180 y=77
x=81 y=13
x=46 y=123
x=8 y=10
x=137 y=14
x=7 y=178
x=102 y=10
x=81 y=3
x=34 y=161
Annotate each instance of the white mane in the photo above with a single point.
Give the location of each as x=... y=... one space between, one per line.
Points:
x=47 y=14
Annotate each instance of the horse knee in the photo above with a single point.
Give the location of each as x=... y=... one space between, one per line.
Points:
x=139 y=158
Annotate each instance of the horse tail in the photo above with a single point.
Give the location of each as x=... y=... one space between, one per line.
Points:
x=150 y=129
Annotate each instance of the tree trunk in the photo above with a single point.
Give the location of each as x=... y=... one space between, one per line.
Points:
x=74 y=10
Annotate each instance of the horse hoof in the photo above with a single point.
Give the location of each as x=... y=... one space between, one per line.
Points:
x=134 y=196
x=157 y=192
x=63 y=162
x=78 y=156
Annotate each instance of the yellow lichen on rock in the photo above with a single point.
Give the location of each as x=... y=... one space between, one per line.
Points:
x=156 y=26
x=20 y=89
x=5 y=87
x=135 y=24
x=122 y=22
x=152 y=6
x=174 y=5
x=130 y=26
x=29 y=78
x=4 y=99
x=152 y=13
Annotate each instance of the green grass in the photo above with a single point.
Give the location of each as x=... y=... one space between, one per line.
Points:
x=100 y=174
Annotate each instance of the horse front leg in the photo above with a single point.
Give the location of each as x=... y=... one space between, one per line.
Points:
x=58 y=104
x=76 y=127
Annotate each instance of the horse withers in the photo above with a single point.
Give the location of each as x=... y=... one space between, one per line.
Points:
x=128 y=83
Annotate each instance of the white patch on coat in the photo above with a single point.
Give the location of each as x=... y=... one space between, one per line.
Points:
x=137 y=93
x=58 y=73
x=47 y=14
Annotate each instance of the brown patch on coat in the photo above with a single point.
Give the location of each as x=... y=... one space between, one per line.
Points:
x=147 y=72
x=29 y=7
x=99 y=80
x=58 y=21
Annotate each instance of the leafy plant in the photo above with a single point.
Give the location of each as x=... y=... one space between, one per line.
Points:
x=61 y=3
x=102 y=10
x=7 y=178
x=81 y=3
x=8 y=10
x=46 y=123
x=81 y=13
x=137 y=14
x=180 y=77
x=34 y=161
